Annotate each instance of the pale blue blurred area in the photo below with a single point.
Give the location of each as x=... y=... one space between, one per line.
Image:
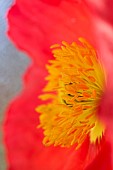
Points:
x=12 y=65
x=4 y=5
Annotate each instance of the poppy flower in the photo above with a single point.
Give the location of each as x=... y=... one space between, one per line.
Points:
x=34 y=27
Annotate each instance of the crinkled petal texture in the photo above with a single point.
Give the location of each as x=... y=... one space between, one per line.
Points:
x=34 y=26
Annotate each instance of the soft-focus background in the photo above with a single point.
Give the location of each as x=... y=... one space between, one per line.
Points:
x=12 y=65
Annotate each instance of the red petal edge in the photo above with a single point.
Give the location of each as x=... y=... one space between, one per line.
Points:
x=35 y=26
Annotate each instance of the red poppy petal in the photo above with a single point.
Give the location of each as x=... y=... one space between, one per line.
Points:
x=103 y=8
x=102 y=160
x=35 y=26
x=55 y=2
x=24 y=141
x=103 y=24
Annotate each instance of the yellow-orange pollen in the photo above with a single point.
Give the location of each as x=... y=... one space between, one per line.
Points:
x=75 y=86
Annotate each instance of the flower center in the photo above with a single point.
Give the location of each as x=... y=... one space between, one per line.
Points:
x=75 y=86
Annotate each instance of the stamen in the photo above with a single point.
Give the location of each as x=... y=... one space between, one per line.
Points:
x=75 y=85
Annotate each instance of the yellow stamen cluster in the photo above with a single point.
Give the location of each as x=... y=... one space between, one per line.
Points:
x=75 y=85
